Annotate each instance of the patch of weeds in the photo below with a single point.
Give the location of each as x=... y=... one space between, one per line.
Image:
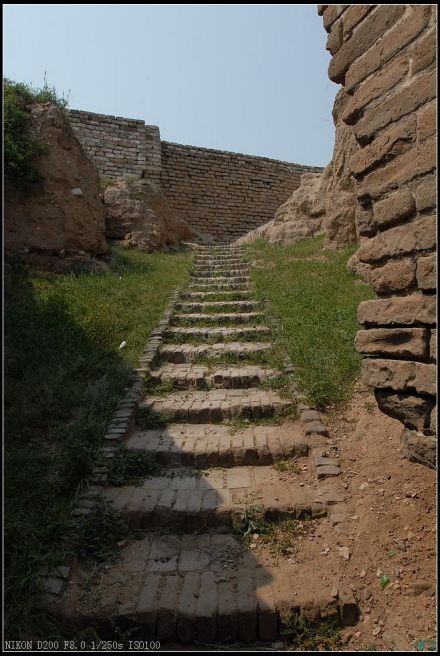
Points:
x=280 y=538
x=287 y=465
x=237 y=424
x=151 y=420
x=302 y=634
x=369 y=407
x=98 y=536
x=156 y=387
x=131 y=467
x=250 y=520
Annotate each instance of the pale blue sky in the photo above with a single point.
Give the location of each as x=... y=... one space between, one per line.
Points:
x=246 y=78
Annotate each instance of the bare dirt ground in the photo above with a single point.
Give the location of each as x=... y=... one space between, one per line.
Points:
x=391 y=532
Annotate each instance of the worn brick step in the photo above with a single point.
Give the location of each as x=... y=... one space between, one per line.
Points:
x=180 y=353
x=221 y=286
x=197 y=376
x=199 y=589
x=219 y=333
x=220 y=317
x=224 y=272
x=200 y=406
x=204 y=295
x=194 y=499
x=221 y=279
x=235 y=263
x=208 y=445
x=217 y=306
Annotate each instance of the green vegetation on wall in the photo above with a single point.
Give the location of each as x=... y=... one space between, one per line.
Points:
x=20 y=149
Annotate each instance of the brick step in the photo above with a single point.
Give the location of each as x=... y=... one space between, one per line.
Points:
x=220 y=279
x=199 y=589
x=221 y=286
x=193 y=499
x=219 y=333
x=217 y=317
x=203 y=295
x=224 y=272
x=217 y=306
x=208 y=445
x=201 y=406
x=180 y=353
x=208 y=263
x=197 y=376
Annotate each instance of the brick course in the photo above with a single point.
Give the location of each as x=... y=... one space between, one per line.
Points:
x=387 y=66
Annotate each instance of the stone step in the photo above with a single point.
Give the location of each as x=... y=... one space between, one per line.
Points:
x=217 y=306
x=220 y=333
x=221 y=279
x=199 y=590
x=217 y=317
x=221 y=273
x=213 y=445
x=203 y=295
x=192 y=499
x=180 y=353
x=235 y=262
x=221 y=286
x=197 y=376
x=202 y=406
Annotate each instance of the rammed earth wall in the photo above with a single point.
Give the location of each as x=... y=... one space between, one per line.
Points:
x=385 y=57
x=218 y=193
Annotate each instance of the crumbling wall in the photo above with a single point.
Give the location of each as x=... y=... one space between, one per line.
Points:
x=385 y=58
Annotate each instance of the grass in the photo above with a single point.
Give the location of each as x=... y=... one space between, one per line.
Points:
x=301 y=634
x=131 y=467
x=287 y=466
x=64 y=375
x=314 y=302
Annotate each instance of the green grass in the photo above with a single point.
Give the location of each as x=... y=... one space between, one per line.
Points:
x=64 y=375
x=313 y=303
x=301 y=634
x=131 y=467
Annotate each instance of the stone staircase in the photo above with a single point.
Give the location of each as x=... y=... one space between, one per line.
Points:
x=191 y=579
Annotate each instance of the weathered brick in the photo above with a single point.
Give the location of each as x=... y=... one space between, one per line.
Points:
x=405 y=310
x=400 y=103
x=394 y=276
x=393 y=141
x=433 y=345
x=352 y=16
x=426 y=121
x=332 y=13
x=413 y=163
x=400 y=375
x=335 y=38
x=402 y=33
x=414 y=411
x=396 y=207
x=408 y=238
x=425 y=192
x=423 y=52
x=375 y=87
x=427 y=272
x=374 y=25
x=406 y=342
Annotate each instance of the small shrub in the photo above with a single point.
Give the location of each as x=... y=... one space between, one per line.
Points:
x=20 y=150
x=305 y=635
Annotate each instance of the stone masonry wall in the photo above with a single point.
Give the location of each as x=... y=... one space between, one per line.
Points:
x=225 y=194
x=118 y=146
x=218 y=193
x=385 y=57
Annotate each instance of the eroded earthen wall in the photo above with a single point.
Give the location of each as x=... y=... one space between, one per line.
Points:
x=385 y=57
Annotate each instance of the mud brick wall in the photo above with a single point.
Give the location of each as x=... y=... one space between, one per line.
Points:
x=225 y=194
x=385 y=57
x=118 y=146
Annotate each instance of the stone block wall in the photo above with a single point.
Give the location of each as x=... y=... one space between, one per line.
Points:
x=218 y=193
x=225 y=194
x=118 y=146
x=385 y=58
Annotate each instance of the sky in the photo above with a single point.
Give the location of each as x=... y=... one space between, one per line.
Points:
x=245 y=78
